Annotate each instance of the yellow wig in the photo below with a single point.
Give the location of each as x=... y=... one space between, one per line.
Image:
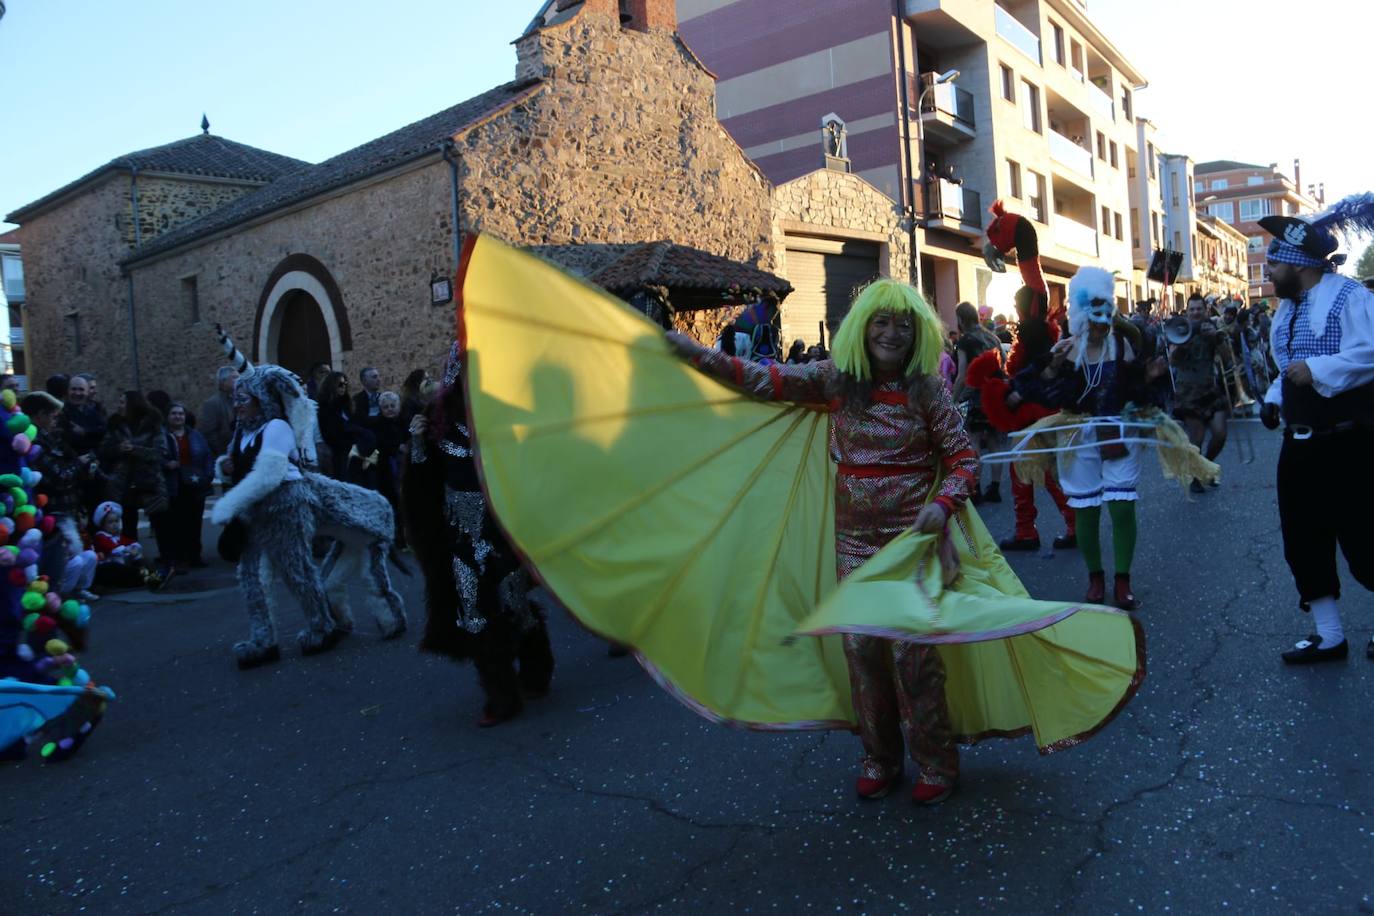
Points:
x=849 y=349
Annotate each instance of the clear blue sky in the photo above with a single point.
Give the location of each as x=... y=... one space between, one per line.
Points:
x=83 y=81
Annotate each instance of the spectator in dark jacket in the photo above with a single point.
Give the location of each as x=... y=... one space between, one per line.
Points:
x=340 y=430
x=65 y=557
x=367 y=405
x=190 y=470
x=216 y=420
x=81 y=421
x=134 y=457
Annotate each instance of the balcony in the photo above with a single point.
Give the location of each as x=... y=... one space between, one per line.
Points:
x=1067 y=153
x=942 y=204
x=17 y=338
x=1071 y=234
x=1016 y=34
x=947 y=114
x=1101 y=102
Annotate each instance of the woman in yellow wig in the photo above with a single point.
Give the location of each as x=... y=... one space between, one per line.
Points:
x=903 y=461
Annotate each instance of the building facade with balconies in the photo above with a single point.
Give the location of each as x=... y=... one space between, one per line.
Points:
x=1240 y=194
x=1041 y=115
x=12 y=308
x=1144 y=166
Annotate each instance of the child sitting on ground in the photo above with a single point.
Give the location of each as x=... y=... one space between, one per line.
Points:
x=119 y=558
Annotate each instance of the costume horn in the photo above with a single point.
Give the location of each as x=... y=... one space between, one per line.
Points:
x=231 y=352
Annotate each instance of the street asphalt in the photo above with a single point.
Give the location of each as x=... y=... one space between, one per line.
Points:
x=357 y=781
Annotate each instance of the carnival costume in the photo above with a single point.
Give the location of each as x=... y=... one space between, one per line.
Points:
x=1100 y=398
x=1036 y=331
x=1328 y=418
x=46 y=698
x=703 y=528
x=281 y=506
x=476 y=591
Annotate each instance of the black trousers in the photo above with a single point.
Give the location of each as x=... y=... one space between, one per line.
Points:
x=1325 y=500
x=186 y=518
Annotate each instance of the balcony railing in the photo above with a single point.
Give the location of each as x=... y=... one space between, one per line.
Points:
x=1022 y=38
x=949 y=99
x=1101 y=102
x=941 y=199
x=16 y=337
x=1065 y=151
x=1070 y=233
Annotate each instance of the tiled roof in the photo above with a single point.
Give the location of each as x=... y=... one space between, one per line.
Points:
x=396 y=148
x=1224 y=165
x=203 y=155
x=679 y=267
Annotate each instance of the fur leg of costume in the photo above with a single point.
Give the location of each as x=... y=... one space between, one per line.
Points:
x=261 y=644
x=283 y=528
x=362 y=524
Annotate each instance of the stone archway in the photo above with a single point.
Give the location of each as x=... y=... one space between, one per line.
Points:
x=301 y=318
x=301 y=338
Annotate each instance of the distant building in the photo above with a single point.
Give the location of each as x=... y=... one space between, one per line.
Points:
x=12 y=299
x=1239 y=194
x=1041 y=114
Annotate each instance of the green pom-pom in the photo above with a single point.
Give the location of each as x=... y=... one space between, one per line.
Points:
x=32 y=601
x=48 y=749
x=25 y=510
x=18 y=423
x=9 y=481
x=70 y=610
x=31 y=432
x=12 y=549
x=30 y=620
x=20 y=497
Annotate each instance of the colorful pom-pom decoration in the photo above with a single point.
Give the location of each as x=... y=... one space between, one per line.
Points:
x=9 y=399
x=44 y=626
x=70 y=609
x=17 y=423
x=24 y=651
x=30 y=621
x=28 y=556
x=18 y=577
x=56 y=647
x=47 y=524
x=10 y=481
x=53 y=603
x=21 y=444
x=31 y=601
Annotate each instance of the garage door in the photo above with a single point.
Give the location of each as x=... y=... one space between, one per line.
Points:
x=825 y=274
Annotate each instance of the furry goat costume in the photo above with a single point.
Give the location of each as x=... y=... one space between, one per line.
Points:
x=284 y=507
x=475 y=587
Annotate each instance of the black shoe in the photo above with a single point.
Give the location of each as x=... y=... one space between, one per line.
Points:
x=1196 y=486
x=1309 y=651
x=1023 y=544
x=1066 y=542
x=976 y=497
x=993 y=494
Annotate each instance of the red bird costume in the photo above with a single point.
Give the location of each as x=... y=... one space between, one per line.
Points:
x=1036 y=332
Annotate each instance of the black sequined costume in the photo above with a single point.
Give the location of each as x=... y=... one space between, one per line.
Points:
x=475 y=587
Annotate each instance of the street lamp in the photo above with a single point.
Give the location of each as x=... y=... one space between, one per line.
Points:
x=945 y=77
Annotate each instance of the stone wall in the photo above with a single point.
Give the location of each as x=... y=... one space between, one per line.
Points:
x=75 y=287
x=380 y=244
x=71 y=268
x=165 y=203
x=623 y=146
x=838 y=205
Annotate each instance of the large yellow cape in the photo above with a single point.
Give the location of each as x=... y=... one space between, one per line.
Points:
x=672 y=514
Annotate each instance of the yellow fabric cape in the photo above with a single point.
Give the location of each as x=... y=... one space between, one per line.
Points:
x=675 y=515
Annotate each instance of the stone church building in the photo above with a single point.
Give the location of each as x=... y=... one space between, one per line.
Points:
x=606 y=137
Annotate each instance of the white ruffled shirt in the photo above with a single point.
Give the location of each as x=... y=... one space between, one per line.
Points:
x=277 y=437
x=1353 y=366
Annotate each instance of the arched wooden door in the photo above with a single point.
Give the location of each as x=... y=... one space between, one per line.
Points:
x=302 y=338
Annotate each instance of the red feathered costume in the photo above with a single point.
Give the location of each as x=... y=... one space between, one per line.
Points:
x=1037 y=331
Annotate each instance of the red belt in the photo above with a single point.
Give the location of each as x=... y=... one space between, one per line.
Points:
x=880 y=470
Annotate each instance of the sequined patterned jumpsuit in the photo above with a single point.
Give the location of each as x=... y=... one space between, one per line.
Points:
x=888 y=456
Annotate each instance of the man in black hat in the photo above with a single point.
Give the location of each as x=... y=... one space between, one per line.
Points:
x=1323 y=342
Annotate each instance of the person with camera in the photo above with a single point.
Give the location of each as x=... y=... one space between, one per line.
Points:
x=1323 y=342
x=1201 y=403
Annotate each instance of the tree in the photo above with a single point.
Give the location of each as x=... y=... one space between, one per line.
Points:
x=1364 y=267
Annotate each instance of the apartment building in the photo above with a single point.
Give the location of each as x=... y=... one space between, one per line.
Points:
x=1239 y=194
x=947 y=105
x=1220 y=265
x=12 y=308
x=1144 y=166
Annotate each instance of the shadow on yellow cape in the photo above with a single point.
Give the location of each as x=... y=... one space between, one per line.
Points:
x=672 y=514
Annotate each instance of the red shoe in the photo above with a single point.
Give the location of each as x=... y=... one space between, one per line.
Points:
x=1097 y=588
x=873 y=787
x=1125 y=598
x=929 y=793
